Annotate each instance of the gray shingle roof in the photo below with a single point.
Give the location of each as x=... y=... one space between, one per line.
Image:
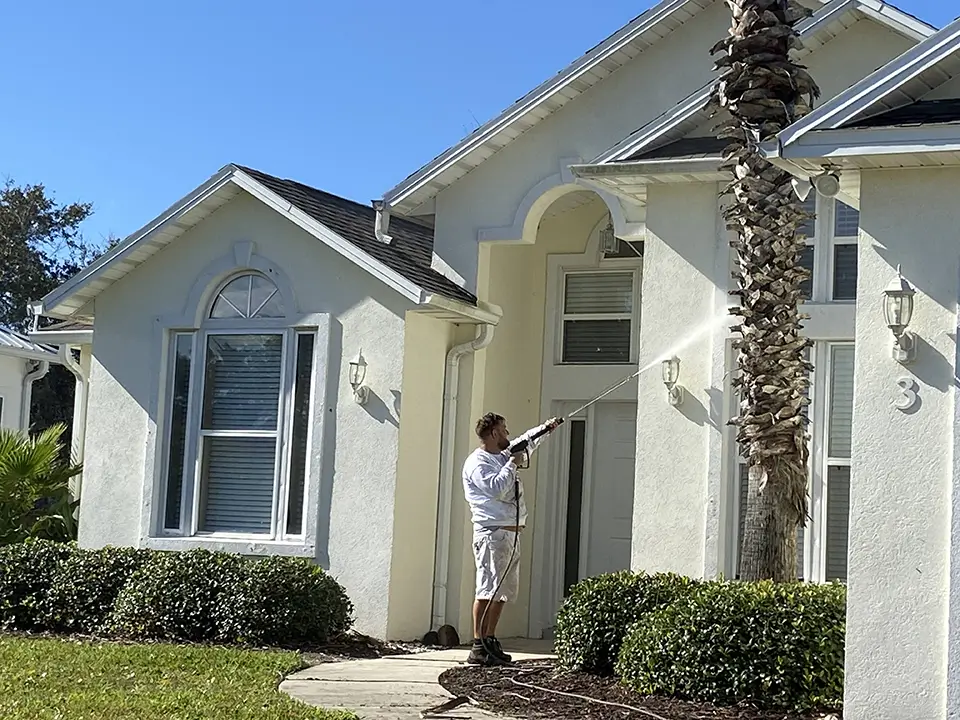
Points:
x=922 y=112
x=409 y=254
x=685 y=149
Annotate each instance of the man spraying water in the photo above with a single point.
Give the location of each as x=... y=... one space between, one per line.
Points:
x=493 y=491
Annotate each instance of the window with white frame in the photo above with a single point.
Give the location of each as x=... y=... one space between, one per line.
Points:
x=831 y=250
x=238 y=418
x=822 y=544
x=598 y=322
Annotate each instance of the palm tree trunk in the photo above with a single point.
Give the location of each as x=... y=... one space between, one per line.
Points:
x=764 y=91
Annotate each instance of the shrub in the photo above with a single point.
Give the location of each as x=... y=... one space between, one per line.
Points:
x=86 y=585
x=777 y=645
x=595 y=616
x=305 y=604
x=26 y=571
x=35 y=496
x=177 y=596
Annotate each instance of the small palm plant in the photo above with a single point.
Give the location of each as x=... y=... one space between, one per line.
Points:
x=35 y=497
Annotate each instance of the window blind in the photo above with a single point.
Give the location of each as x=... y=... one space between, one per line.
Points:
x=595 y=293
x=846 y=220
x=242 y=383
x=594 y=338
x=241 y=393
x=838 y=521
x=238 y=474
x=841 y=401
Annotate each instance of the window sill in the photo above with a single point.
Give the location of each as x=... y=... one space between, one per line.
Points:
x=236 y=546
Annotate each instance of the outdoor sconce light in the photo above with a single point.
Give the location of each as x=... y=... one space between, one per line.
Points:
x=358 y=371
x=898 y=311
x=609 y=242
x=671 y=373
x=826 y=184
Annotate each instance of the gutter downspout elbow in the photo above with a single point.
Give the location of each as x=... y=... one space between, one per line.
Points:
x=447 y=476
x=27 y=393
x=381 y=225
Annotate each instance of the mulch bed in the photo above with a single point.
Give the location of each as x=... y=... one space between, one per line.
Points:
x=499 y=690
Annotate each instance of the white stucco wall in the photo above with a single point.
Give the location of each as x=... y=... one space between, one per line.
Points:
x=12 y=370
x=669 y=517
x=490 y=195
x=902 y=461
x=358 y=481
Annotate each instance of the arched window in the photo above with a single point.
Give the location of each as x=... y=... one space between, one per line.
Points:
x=230 y=471
x=248 y=296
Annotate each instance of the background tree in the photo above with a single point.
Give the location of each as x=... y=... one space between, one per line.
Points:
x=765 y=91
x=40 y=247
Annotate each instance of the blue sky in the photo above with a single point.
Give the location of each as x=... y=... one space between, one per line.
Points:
x=130 y=105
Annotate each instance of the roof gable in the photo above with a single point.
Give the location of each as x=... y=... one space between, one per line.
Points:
x=693 y=112
x=345 y=226
x=590 y=69
x=899 y=83
x=548 y=97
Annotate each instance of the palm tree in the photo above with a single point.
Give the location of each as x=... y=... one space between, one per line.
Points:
x=35 y=496
x=764 y=91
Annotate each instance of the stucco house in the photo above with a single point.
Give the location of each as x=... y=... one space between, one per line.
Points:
x=22 y=363
x=277 y=370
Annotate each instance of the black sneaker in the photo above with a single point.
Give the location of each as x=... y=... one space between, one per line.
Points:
x=495 y=648
x=479 y=655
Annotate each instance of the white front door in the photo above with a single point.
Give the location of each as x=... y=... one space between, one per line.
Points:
x=608 y=490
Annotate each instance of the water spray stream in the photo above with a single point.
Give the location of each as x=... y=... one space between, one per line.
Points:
x=697 y=333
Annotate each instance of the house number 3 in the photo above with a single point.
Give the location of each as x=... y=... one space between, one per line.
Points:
x=908 y=394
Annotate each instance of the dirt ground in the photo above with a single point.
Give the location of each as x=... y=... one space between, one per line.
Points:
x=507 y=691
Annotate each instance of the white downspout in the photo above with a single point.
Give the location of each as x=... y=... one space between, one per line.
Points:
x=381 y=225
x=26 y=394
x=447 y=475
x=79 y=411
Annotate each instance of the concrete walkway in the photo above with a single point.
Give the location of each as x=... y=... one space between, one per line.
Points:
x=394 y=688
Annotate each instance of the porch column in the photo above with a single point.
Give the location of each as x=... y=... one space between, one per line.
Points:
x=670 y=497
x=902 y=478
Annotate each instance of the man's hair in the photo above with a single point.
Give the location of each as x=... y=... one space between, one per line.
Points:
x=487 y=423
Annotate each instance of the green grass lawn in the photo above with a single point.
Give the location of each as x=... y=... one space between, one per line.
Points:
x=53 y=679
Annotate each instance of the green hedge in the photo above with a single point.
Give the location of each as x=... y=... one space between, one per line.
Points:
x=776 y=645
x=85 y=587
x=186 y=596
x=27 y=571
x=595 y=616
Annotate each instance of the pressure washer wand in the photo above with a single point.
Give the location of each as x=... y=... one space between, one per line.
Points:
x=601 y=396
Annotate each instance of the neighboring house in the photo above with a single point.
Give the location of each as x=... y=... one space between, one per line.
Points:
x=893 y=141
x=22 y=363
x=490 y=279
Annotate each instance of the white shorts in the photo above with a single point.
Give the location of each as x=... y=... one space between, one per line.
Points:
x=491 y=551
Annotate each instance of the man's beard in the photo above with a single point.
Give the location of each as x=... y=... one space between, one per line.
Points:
x=503 y=443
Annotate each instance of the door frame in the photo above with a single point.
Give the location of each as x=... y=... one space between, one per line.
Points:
x=549 y=528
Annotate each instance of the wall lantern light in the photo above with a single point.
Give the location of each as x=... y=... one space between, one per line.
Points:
x=358 y=371
x=609 y=242
x=670 y=370
x=898 y=311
